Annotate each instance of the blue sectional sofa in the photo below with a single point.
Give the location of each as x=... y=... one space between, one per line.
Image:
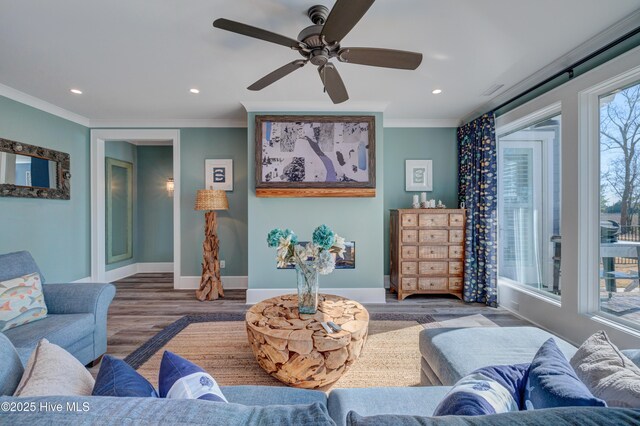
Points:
x=281 y=405
x=77 y=313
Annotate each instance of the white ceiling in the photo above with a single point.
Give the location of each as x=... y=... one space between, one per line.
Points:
x=137 y=59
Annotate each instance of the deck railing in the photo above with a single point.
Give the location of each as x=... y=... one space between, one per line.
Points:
x=628 y=233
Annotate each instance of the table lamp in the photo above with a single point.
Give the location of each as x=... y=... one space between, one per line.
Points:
x=210 y=200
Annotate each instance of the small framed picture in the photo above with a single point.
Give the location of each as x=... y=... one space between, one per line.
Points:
x=418 y=175
x=218 y=174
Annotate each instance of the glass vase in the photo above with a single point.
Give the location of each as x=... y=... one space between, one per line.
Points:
x=307 y=288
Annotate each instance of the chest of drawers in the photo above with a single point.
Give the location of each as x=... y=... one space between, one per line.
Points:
x=427 y=251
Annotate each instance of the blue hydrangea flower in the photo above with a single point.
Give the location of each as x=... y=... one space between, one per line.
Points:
x=273 y=238
x=323 y=237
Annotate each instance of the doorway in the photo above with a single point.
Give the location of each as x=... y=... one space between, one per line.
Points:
x=135 y=203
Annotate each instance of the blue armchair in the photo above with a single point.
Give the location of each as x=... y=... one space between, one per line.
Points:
x=77 y=317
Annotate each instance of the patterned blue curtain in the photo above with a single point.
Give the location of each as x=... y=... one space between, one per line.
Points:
x=477 y=190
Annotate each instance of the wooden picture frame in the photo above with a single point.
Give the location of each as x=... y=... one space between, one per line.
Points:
x=345 y=172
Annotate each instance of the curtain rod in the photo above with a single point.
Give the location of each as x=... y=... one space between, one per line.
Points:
x=570 y=68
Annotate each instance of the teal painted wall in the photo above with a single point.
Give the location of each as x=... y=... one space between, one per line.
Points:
x=357 y=219
x=155 y=206
x=437 y=144
x=123 y=151
x=196 y=146
x=56 y=232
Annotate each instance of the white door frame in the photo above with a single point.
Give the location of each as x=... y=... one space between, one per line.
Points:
x=98 y=139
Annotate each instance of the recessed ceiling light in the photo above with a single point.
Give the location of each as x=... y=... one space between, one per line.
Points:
x=196 y=91
x=436 y=91
x=76 y=91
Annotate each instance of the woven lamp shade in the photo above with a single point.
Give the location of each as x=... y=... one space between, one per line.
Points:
x=211 y=199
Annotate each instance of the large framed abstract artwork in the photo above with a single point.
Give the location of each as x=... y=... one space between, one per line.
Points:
x=315 y=156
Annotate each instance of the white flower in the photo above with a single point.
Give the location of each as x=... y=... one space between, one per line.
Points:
x=283 y=252
x=284 y=243
x=282 y=258
x=339 y=246
x=312 y=250
x=325 y=263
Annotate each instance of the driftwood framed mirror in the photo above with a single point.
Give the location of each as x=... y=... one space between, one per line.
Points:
x=29 y=171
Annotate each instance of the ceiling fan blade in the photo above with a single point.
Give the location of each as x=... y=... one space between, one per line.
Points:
x=277 y=74
x=259 y=33
x=387 y=58
x=333 y=83
x=343 y=17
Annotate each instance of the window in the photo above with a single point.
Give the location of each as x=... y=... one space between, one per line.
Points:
x=529 y=206
x=619 y=227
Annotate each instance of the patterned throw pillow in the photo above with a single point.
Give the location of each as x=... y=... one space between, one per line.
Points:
x=553 y=383
x=21 y=301
x=488 y=390
x=182 y=379
x=117 y=378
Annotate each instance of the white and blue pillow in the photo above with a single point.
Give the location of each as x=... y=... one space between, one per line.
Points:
x=117 y=378
x=488 y=390
x=182 y=379
x=552 y=382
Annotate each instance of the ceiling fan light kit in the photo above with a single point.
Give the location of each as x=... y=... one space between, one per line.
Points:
x=320 y=42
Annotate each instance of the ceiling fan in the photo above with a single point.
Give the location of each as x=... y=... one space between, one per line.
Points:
x=320 y=42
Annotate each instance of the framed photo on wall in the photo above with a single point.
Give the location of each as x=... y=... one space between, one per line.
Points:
x=418 y=175
x=218 y=174
x=315 y=156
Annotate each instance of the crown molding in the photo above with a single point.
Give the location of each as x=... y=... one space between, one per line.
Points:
x=600 y=40
x=32 y=101
x=422 y=122
x=165 y=123
x=289 y=106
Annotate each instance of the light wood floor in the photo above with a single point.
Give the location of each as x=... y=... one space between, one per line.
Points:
x=147 y=303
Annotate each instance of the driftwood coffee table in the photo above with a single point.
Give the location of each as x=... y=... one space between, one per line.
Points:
x=295 y=349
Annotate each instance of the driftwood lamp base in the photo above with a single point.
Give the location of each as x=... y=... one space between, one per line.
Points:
x=210 y=283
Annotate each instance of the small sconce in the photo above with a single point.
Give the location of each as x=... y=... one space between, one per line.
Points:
x=170 y=187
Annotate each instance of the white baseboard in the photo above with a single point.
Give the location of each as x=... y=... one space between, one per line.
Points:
x=149 y=267
x=120 y=273
x=362 y=295
x=137 y=268
x=83 y=280
x=229 y=282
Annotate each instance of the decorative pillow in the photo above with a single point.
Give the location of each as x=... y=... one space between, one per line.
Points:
x=553 y=383
x=21 y=301
x=607 y=372
x=183 y=379
x=488 y=390
x=53 y=371
x=117 y=378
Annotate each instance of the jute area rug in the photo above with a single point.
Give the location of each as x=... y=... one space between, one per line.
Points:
x=390 y=357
